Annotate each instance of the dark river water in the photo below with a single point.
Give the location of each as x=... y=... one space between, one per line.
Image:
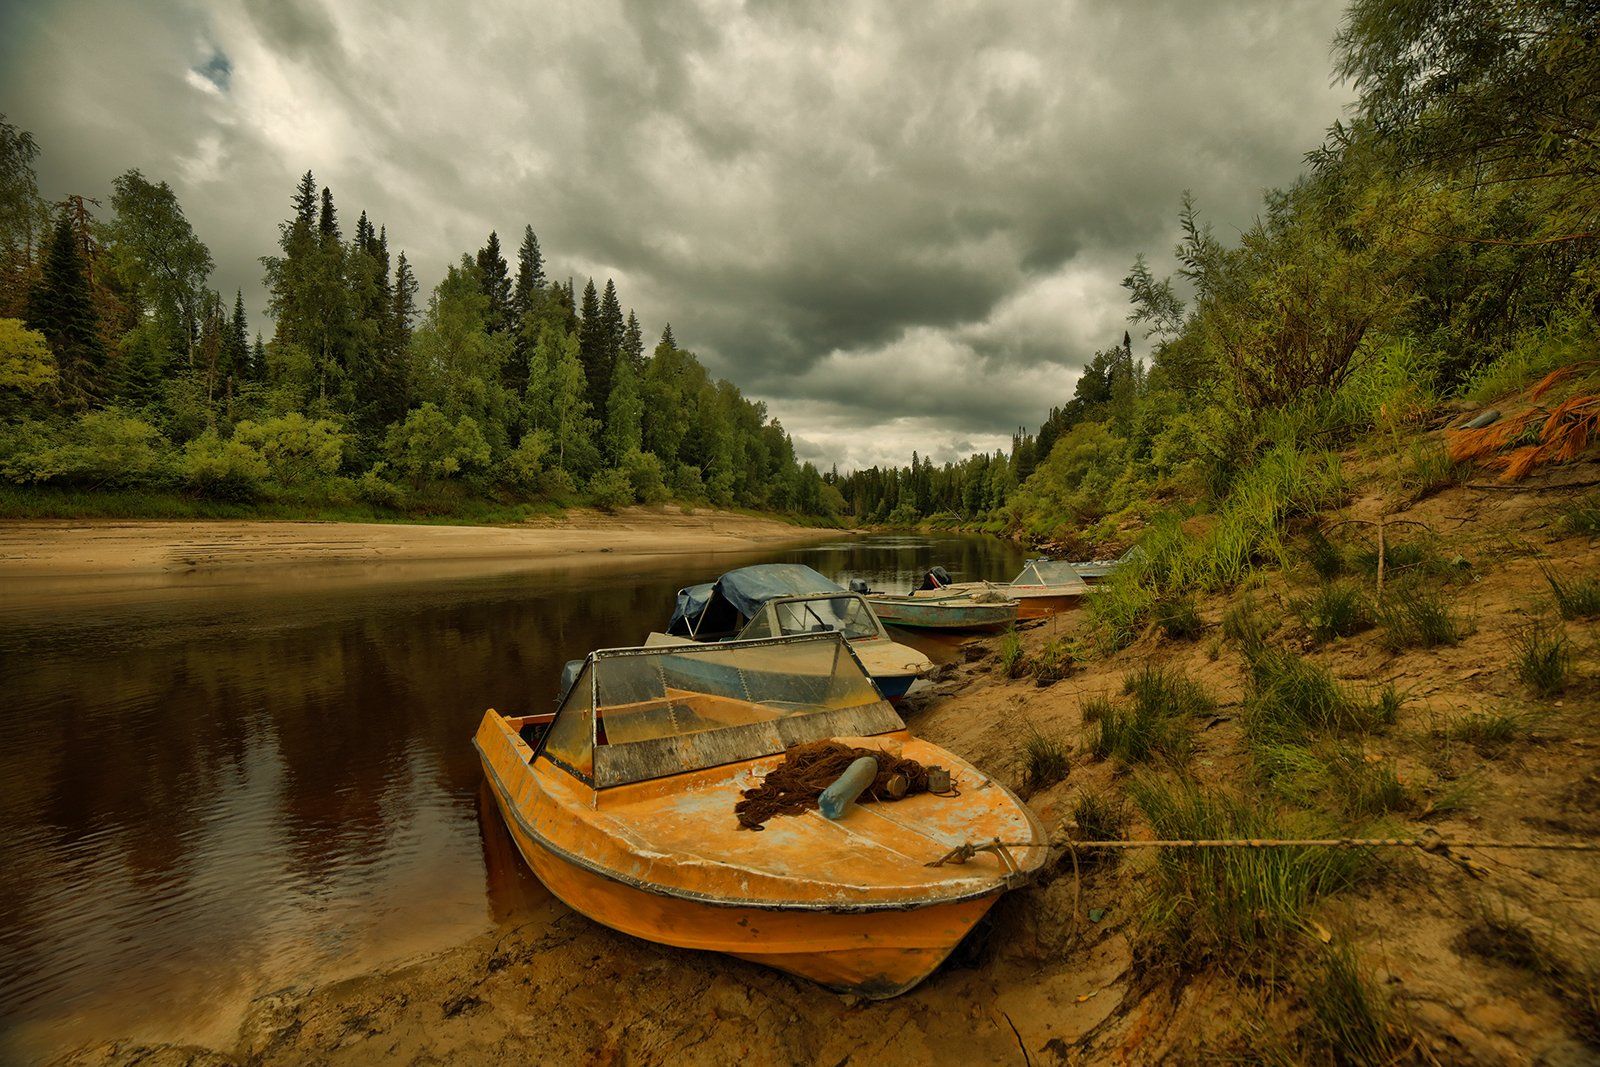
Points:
x=207 y=797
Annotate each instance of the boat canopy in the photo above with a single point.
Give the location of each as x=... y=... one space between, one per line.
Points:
x=640 y=713
x=847 y=613
x=1049 y=572
x=721 y=608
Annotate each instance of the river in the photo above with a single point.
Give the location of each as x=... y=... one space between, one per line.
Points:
x=207 y=797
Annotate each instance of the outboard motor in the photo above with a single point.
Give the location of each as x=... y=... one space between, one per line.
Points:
x=935 y=578
x=859 y=585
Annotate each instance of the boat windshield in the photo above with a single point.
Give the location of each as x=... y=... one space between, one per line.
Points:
x=640 y=713
x=849 y=615
x=1048 y=572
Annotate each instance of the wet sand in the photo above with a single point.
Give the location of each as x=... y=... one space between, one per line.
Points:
x=51 y=558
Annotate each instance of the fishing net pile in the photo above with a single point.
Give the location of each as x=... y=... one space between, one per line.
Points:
x=794 y=785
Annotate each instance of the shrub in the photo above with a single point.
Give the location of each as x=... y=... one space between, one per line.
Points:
x=1543 y=658
x=524 y=464
x=1417 y=615
x=1575 y=599
x=222 y=469
x=557 y=486
x=427 y=445
x=373 y=488
x=686 y=482
x=1045 y=760
x=26 y=363
x=1220 y=903
x=647 y=476
x=101 y=448
x=610 y=489
x=295 y=449
x=1335 y=610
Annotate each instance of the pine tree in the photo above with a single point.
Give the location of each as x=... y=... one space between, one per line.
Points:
x=595 y=349
x=667 y=338
x=530 y=277
x=328 y=220
x=238 y=359
x=611 y=319
x=496 y=285
x=633 y=343
x=258 y=360
x=62 y=308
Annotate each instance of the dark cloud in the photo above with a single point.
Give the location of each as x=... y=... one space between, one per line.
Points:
x=901 y=224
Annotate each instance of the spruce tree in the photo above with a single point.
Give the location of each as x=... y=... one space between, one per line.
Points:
x=624 y=412
x=328 y=219
x=611 y=319
x=667 y=338
x=61 y=307
x=595 y=349
x=258 y=360
x=633 y=343
x=305 y=205
x=530 y=277
x=496 y=285
x=239 y=341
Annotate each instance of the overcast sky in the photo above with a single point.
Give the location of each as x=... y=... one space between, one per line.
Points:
x=901 y=225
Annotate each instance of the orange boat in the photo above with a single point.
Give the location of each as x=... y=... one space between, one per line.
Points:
x=622 y=802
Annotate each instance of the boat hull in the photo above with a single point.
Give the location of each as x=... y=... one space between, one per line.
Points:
x=874 y=953
x=943 y=615
x=1042 y=605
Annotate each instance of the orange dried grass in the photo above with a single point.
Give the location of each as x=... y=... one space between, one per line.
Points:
x=1559 y=435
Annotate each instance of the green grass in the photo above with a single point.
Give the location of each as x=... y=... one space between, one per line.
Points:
x=1417 y=614
x=1046 y=760
x=1219 y=904
x=1427 y=469
x=1542 y=657
x=1327 y=559
x=1011 y=658
x=1155 y=721
x=1490 y=732
x=1055 y=660
x=1577 y=598
x=1581 y=515
x=1291 y=698
x=1335 y=609
x=1094 y=709
x=1099 y=816
x=1178 y=618
x=1244 y=624
x=1333 y=776
x=1352 y=1018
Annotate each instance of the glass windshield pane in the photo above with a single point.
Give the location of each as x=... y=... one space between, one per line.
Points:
x=848 y=615
x=571 y=737
x=1048 y=572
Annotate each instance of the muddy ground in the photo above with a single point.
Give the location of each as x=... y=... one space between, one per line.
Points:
x=1045 y=984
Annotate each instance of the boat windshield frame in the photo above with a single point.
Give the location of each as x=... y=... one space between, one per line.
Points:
x=769 y=615
x=642 y=760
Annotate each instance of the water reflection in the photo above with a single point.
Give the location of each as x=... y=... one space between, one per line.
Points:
x=209 y=797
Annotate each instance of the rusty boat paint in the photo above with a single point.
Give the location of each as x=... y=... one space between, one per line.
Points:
x=849 y=904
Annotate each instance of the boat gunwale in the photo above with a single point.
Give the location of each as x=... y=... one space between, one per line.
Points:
x=696 y=897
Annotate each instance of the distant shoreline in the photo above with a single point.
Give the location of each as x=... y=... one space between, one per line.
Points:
x=39 y=557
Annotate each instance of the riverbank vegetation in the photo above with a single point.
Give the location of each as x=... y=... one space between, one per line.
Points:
x=129 y=387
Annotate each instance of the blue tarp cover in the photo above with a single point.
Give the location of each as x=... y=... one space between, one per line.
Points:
x=709 y=609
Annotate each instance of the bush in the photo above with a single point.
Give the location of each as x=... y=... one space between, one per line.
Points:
x=557 y=486
x=610 y=489
x=524 y=464
x=686 y=483
x=427 y=445
x=100 y=448
x=222 y=469
x=647 y=476
x=295 y=449
x=373 y=488
x=27 y=365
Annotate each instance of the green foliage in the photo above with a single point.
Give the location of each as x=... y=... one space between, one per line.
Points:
x=1178 y=618
x=296 y=450
x=1352 y=1016
x=1576 y=598
x=98 y=448
x=1581 y=515
x=1245 y=625
x=1542 y=657
x=610 y=489
x=27 y=365
x=1427 y=469
x=1490 y=732
x=1326 y=558
x=1011 y=658
x=427 y=446
x=646 y=476
x=1334 y=775
x=1220 y=904
x=524 y=464
x=1156 y=722
x=1100 y=815
x=1335 y=609
x=222 y=469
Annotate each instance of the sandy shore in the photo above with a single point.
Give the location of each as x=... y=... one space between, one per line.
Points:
x=43 y=558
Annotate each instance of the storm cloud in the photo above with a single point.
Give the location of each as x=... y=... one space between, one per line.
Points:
x=901 y=225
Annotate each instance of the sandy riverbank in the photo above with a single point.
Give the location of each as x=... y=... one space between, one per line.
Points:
x=71 y=556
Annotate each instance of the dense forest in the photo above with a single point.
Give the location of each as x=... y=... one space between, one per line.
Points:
x=1441 y=245
x=127 y=383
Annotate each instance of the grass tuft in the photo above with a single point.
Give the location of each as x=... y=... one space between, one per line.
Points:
x=1575 y=599
x=1208 y=904
x=1291 y=698
x=1045 y=760
x=1336 y=776
x=1351 y=1015
x=1178 y=618
x=1543 y=657
x=1581 y=515
x=1156 y=721
x=1245 y=625
x=1325 y=557
x=1417 y=615
x=1100 y=816
x=1011 y=658
x=1490 y=732
x=1169 y=690
x=1336 y=609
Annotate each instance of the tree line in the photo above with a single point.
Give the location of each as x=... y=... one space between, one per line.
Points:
x=1442 y=243
x=121 y=368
